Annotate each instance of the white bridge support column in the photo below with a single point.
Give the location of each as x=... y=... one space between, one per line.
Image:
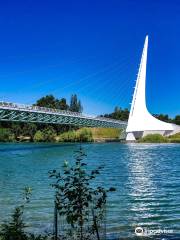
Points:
x=141 y=122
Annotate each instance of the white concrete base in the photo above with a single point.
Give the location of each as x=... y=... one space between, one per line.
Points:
x=130 y=137
x=133 y=136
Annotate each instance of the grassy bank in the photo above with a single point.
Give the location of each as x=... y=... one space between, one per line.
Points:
x=105 y=134
x=157 y=138
x=90 y=135
x=174 y=138
x=49 y=135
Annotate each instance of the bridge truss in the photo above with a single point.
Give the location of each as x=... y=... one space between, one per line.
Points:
x=33 y=114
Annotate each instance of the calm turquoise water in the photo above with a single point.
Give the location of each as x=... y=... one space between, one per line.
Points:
x=146 y=176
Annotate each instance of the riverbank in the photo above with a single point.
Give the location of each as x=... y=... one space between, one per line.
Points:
x=157 y=138
x=79 y=135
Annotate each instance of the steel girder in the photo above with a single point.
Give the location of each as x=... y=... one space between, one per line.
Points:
x=52 y=118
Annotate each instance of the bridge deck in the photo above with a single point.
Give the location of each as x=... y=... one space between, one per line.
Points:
x=28 y=113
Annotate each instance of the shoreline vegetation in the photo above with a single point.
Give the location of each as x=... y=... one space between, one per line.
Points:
x=157 y=138
x=83 y=135
x=38 y=132
x=79 y=135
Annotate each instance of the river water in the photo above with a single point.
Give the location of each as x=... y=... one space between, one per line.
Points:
x=146 y=178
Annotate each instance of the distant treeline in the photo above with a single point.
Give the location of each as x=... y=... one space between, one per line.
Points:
x=166 y=118
x=123 y=114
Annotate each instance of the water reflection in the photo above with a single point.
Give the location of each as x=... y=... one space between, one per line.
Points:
x=147 y=198
x=141 y=184
x=146 y=177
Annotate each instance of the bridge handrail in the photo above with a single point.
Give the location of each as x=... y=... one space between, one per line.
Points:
x=37 y=108
x=54 y=110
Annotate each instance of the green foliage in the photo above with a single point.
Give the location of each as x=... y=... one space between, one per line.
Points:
x=157 y=138
x=77 y=199
x=153 y=138
x=38 y=137
x=177 y=120
x=6 y=135
x=15 y=228
x=30 y=130
x=166 y=118
x=123 y=114
x=31 y=236
x=47 y=135
x=10 y=131
x=16 y=129
x=75 y=104
x=174 y=138
x=49 y=101
x=119 y=114
x=81 y=135
x=69 y=136
x=163 y=117
x=105 y=133
x=84 y=135
x=62 y=104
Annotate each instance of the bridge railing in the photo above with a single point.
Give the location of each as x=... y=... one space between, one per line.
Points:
x=11 y=105
x=37 y=108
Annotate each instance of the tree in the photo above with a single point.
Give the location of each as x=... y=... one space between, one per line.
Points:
x=177 y=120
x=77 y=199
x=80 y=107
x=49 y=101
x=63 y=104
x=119 y=114
x=163 y=117
x=75 y=104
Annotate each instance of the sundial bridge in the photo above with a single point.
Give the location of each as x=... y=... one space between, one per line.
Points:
x=140 y=122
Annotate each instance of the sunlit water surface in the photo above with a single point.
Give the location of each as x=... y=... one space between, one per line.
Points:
x=146 y=178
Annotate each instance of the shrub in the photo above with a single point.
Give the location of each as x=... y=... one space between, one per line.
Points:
x=49 y=134
x=6 y=135
x=174 y=138
x=15 y=228
x=69 y=136
x=77 y=200
x=84 y=135
x=81 y=135
x=153 y=138
x=38 y=137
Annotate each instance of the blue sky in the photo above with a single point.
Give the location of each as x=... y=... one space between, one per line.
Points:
x=91 y=48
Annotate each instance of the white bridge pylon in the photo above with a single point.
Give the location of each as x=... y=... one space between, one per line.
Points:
x=141 y=122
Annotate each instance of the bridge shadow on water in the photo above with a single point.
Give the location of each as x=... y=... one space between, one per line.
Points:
x=33 y=146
